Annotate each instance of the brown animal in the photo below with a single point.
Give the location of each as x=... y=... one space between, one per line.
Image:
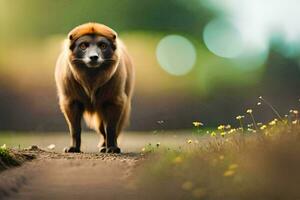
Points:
x=95 y=77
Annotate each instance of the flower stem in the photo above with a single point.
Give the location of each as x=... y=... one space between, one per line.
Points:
x=254 y=122
x=272 y=107
x=241 y=124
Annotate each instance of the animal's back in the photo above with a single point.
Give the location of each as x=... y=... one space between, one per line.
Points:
x=130 y=75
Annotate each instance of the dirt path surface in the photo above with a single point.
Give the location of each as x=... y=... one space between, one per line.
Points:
x=71 y=176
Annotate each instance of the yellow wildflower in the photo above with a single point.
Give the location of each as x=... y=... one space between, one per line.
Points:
x=294 y=122
x=249 y=125
x=189 y=141
x=229 y=173
x=143 y=149
x=231 y=131
x=295 y=112
x=259 y=103
x=232 y=166
x=223 y=134
x=197 y=124
x=3 y=146
x=213 y=134
x=249 y=111
x=240 y=117
x=221 y=127
x=228 y=126
x=272 y=123
x=263 y=127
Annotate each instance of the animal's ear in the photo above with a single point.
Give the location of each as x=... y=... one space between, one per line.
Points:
x=71 y=37
x=71 y=41
x=114 y=36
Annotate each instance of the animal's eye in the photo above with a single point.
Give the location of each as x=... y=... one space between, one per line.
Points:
x=83 y=46
x=103 y=46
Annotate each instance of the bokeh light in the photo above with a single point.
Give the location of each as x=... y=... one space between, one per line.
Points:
x=176 y=54
x=251 y=58
x=223 y=39
x=258 y=21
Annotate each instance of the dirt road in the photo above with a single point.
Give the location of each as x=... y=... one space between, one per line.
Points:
x=54 y=175
x=71 y=176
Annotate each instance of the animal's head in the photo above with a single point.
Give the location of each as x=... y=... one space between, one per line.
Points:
x=93 y=45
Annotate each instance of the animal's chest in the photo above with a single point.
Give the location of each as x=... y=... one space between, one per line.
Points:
x=93 y=99
x=91 y=91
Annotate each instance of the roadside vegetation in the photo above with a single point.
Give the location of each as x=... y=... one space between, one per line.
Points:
x=10 y=158
x=252 y=161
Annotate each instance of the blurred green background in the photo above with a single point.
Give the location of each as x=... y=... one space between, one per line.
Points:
x=203 y=60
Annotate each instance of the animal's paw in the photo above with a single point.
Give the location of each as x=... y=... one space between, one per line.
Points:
x=71 y=150
x=113 y=150
x=102 y=150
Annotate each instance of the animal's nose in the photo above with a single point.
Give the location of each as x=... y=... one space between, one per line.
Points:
x=94 y=58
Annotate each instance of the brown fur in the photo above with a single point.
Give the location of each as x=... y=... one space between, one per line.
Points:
x=92 y=28
x=102 y=97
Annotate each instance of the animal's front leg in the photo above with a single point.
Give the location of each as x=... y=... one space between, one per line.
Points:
x=73 y=113
x=103 y=132
x=112 y=113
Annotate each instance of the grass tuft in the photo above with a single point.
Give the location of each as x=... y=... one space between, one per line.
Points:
x=9 y=158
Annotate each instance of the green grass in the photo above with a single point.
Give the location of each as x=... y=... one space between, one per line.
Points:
x=4 y=155
x=7 y=158
x=235 y=165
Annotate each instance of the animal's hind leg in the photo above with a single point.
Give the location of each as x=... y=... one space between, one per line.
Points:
x=112 y=113
x=124 y=118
